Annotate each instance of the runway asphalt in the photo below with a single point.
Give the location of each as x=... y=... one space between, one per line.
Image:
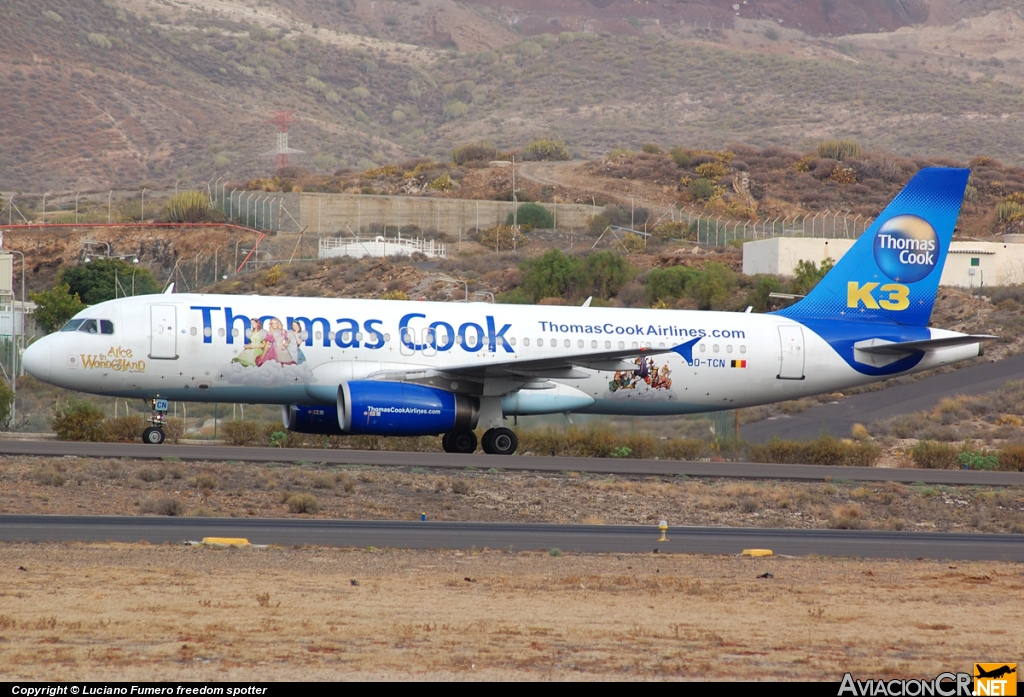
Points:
x=515 y=536
x=618 y=466
x=838 y=418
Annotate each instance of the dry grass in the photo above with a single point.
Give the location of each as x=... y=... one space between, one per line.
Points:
x=139 y=612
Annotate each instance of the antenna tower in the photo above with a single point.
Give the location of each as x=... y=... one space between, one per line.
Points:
x=281 y=119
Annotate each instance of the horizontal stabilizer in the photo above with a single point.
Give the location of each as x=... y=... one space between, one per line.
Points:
x=890 y=348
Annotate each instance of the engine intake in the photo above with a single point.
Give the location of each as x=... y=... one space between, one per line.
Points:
x=370 y=407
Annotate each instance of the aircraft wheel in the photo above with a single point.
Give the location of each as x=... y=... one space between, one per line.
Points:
x=153 y=436
x=500 y=441
x=459 y=442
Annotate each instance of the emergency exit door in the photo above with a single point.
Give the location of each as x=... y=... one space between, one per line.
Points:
x=163 y=324
x=791 y=338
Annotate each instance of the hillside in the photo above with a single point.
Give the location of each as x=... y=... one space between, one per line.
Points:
x=128 y=93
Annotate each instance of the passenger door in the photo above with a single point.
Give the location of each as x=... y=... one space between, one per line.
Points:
x=791 y=338
x=163 y=324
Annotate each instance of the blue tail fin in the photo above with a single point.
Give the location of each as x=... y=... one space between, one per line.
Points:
x=892 y=272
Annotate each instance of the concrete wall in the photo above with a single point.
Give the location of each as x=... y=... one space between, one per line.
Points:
x=968 y=264
x=779 y=255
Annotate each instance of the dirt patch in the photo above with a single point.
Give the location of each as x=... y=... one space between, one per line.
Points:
x=139 y=612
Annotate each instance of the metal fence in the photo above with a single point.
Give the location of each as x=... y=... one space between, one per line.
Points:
x=355 y=214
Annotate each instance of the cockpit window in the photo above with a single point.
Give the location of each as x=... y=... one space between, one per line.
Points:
x=106 y=326
x=72 y=325
x=89 y=326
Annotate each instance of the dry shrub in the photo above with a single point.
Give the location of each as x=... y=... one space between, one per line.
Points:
x=1011 y=457
x=347 y=481
x=935 y=456
x=322 y=481
x=49 y=476
x=461 y=487
x=303 y=503
x=147 y=473
x=162 y=505
x=79 y=420
x=822 y=451
x=847 y=517
x=204 y=481
x=683 y=449
x=125 y=429
x=243 y=432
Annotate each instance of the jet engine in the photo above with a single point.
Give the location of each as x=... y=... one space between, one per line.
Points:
x=370 y=407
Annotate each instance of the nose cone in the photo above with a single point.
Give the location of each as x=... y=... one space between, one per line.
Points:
x=36 y=360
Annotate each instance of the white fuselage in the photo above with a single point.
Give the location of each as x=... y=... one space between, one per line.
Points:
x=206 y=348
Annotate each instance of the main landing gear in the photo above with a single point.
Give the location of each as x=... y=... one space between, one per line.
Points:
x=496 y=441
x=154 y=435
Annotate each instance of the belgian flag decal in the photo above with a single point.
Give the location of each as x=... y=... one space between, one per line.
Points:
x=739 y=364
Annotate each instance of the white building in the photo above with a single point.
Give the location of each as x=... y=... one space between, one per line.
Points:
x=968 y=265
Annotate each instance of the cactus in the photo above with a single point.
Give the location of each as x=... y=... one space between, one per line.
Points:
x=188 y=207
x=839 y=149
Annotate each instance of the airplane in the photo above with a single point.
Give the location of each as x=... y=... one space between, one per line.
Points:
x=408 y=368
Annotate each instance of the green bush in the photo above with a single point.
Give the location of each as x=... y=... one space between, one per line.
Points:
x=702 y=189
x=532 y=216
x=935 y=456
x=55 y=307
x=79 y=420
x=104 y=279
x=978 y=460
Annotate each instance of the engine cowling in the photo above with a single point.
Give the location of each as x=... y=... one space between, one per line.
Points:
x=371 y=407
x=319 y=420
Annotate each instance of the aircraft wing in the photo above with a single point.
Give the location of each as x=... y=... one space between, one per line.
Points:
x=535 y=369
x=889 y=348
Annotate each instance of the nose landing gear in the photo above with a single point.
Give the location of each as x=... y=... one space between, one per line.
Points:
x=154 y=434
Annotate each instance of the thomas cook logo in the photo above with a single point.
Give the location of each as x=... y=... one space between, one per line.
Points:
x=995 y=679
x=906 y=248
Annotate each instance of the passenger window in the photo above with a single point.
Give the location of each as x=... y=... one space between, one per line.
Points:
x=106 y=326
x=330 y=336
x=743 y=349
x=593 y=343
x=193 y=331
x=207 y=331
x=234 y=332
x=715 y=348
x=88 y=326
x=568 y=343
x=540 y=342
x=703 y=348
x=607 y=344
x=526 y=342
x=728 y=349
x=359 y=336
x=387 y=337
x=512 y=341
x=319 y=335
x=622 y=344
x=579 y=344
x=220 y=332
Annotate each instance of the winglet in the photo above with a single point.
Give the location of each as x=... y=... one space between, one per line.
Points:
x=686 y=349
x=169 y=289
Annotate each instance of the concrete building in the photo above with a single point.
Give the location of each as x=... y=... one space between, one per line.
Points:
x=969 y=264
